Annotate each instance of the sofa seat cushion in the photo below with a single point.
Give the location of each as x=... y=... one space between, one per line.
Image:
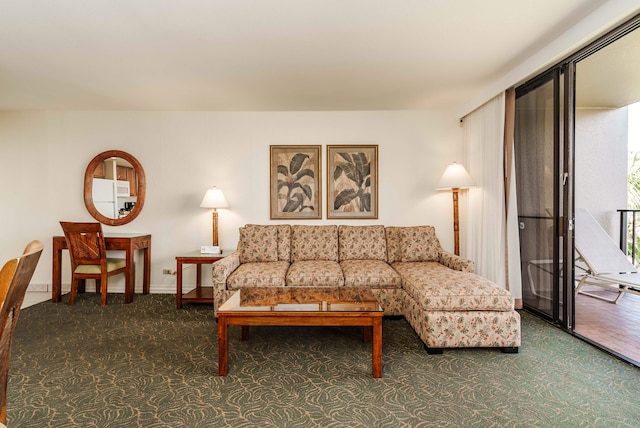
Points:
x=362 y=243
x=436 y=287
x=369 y=273
x=315 y=273
x=259 y=274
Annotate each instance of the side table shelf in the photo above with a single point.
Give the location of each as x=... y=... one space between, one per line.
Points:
x=199 y=294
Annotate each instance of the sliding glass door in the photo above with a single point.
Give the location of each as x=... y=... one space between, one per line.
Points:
x=571 y=148
x=543 y=174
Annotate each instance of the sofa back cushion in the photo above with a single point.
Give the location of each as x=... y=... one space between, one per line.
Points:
x=394 y=243
x=283 y=242
x=412 y=244
x=314 y=243
x=362 y=243
x=258 y=244
x=419 y=244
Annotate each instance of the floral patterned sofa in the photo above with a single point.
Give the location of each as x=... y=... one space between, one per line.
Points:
x=407 y=270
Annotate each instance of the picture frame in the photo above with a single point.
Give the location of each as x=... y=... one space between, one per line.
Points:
x=352 y=181
x=295 y=182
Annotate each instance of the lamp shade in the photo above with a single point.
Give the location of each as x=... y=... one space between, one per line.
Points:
x=455 y=177
x=214 y=198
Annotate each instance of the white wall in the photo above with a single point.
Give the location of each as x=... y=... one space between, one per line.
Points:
x=44 y=156
x=601 y=165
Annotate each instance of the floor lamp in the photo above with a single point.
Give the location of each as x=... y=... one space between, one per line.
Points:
x=455 y=177
x=214 y=198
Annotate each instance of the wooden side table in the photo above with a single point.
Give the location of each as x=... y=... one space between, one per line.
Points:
x=199 y=294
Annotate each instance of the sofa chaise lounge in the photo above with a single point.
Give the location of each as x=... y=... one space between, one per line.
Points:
x=446 y=303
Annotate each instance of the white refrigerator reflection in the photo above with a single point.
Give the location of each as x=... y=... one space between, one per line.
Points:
x=104 y=197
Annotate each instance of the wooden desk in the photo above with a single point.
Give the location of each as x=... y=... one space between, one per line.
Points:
x=199 y=294
x=127 y=242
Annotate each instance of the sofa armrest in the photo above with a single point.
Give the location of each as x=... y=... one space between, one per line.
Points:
x=221 y=270
x=454 y=262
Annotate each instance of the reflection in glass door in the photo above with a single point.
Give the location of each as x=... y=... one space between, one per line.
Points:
x=540 y=176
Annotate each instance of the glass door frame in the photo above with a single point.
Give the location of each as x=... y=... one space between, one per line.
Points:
x=562 y=247
x=568 y=195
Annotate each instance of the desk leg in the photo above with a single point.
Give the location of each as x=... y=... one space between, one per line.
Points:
x=223 y=351
x=146 y=279
x=376 y=351
x=56 y=275
x=130 y=275
x=179 y=285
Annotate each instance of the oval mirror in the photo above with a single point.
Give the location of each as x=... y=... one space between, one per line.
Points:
x=114 y=188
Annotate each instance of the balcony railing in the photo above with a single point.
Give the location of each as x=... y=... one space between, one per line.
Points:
x=630 y=233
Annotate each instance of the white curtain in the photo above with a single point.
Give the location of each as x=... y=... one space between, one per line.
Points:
x=485 y=228
x=514 y=271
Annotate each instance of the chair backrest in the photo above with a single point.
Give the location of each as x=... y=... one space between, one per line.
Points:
x=85 y=242
x=596 y=247
x=14 y=279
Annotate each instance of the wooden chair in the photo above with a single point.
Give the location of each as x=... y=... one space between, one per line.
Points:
x=89 y=258
x=14 y=279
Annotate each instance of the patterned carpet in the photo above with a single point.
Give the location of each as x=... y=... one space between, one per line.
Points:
x=149 y=365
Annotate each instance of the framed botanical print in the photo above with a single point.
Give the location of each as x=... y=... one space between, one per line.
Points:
x=295 y=182
x=352 y=182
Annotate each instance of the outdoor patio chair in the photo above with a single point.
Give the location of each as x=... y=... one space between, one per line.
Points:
x=606 y=265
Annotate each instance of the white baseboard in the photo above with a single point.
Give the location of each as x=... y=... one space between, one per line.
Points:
x=38 y=287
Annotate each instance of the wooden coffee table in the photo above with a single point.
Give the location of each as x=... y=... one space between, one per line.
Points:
x=301 y=306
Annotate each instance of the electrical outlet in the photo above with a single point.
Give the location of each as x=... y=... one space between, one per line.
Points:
x=168 y=272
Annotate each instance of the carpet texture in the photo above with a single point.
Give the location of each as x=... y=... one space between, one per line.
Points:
x=147 y=364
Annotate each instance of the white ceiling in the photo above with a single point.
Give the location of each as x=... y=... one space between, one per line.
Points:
x=266 y=54
x=610 y=78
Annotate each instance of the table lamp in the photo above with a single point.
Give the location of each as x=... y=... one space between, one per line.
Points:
x=214 y=198
x=455 y=177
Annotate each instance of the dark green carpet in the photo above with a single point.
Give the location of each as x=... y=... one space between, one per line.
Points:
x=149 y=365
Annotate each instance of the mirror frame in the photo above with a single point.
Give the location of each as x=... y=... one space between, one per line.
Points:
x=88 y=187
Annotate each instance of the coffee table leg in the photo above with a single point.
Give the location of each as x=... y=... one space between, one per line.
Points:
x=223 y=351
x=366 y=336
x=376 y=350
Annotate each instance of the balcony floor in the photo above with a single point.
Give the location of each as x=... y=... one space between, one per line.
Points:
x=614 y=326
